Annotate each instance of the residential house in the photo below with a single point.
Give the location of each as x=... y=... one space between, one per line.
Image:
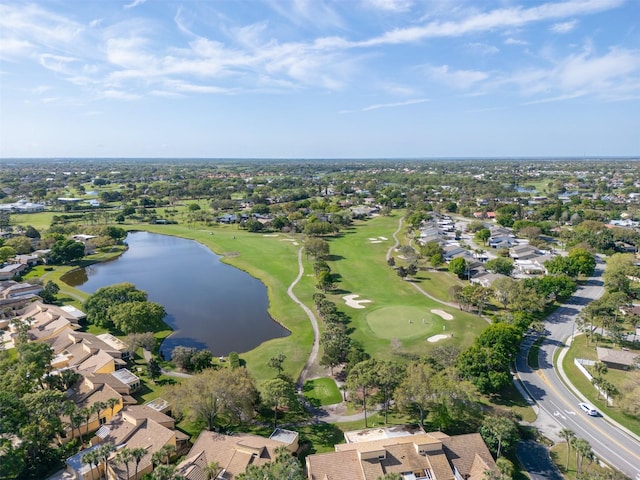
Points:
x=15 y=296
x=136 y=426
x=234 y=453
x=408 y=451
x=90 y=391
x=12 y=270
x=228 y=218
x=46 y=321
x=486 y=279
x=524 y=252
x=29 y=260
x=450 y=251
x=22 y=206
x=618 y=359
x=502 y=241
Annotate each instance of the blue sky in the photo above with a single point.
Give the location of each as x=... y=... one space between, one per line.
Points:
x=319 y=79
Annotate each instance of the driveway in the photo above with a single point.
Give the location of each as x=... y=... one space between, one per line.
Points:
x=535 y=459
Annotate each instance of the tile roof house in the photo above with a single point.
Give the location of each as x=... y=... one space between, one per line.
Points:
x=234 y=453
x=136 y=426
x=412 y=453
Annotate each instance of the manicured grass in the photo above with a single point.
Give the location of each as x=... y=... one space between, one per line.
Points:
x=402 y=322
x=579 y=349
x=437 y=283
x=559 y=456
x=323 y=390
x=362 y=270
x=40 y=221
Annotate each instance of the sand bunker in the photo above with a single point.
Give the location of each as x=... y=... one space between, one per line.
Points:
x=269 y=234
x=351 y=301
x=383 y=238
x=376 y=241
x=437 y=338
x=286 y=239
x=295 y=243
x=442 y=314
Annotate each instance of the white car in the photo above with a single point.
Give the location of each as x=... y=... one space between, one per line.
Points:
x=588 y=409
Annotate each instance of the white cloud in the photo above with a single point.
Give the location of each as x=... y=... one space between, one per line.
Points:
x=307 y=12
x=378 y=106
x=564 y=27
x=119 y=95
x=389 y=5
x=57 y=63
x=39 y=90
x=461 y=79
x=495 y=19
x=134 y=4
x=14 y=48
x=483 y=48
x=515 y=41
x=613 y=75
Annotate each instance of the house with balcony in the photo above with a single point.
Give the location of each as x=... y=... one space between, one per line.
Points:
x=408 y=451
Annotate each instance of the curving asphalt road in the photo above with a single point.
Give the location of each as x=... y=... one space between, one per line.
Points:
x=558 y=405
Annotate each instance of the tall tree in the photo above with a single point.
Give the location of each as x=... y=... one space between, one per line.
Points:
x=278 y=392
x=98 y=304
x=389 y=374
x=499 y=433
x=137 y=317
x=568 y=436
x=226 y=392
x=417 y=391
x=362 y=377
x=317 y=248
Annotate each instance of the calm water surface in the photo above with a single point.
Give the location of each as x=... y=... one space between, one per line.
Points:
x=209 y=304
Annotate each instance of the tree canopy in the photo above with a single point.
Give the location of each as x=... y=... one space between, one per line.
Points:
x=97 y=305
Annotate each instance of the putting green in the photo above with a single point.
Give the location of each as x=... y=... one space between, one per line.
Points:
x=402 y=322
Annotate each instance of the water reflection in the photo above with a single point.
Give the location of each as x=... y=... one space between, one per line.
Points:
x=209 y=304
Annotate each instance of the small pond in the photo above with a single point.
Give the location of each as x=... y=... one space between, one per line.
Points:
x=209 y=304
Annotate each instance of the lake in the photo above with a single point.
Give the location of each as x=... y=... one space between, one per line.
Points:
x=209 y=304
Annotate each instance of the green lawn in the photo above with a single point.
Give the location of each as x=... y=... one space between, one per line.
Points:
x=40 y=221
x=322 y=391
x=559 y=457
x=356 y=260
x=361 y=266
x=579 y=349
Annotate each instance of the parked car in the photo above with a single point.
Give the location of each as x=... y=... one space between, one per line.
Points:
x=588 y=409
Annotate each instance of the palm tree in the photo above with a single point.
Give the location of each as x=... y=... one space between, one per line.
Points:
x=104 y=452
x=111 y=403
x=97 y=408
x=125 y=456
x=164 y=472
x=583 y=450
x=137 y=454
x=568 y=437
x=90 y=458
x=163 y=455
x=76 y=420
x=211 y=470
